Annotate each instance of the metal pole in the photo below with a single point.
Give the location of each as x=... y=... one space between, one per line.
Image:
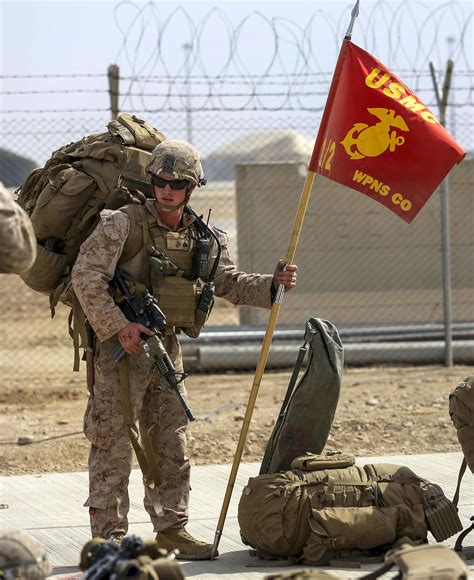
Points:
x=113 y=73
x=452 y=117
x=442 y=102
x=189 y=119
x=354 y=15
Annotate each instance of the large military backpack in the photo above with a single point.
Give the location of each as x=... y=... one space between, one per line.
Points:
x=327 y=508
x=64 y=198
x=461 y=410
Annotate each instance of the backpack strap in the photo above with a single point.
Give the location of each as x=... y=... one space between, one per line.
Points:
x=294 y=376
x=89 y=355
x=145 y=455
x=77 y=329
x=462 y=470
x=462 y=535
x=139 y=234
x=308 y=337
x=95 y=176
x=284 y=407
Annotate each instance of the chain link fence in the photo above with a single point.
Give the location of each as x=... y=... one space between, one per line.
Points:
x=366 y=267
x=362 y=265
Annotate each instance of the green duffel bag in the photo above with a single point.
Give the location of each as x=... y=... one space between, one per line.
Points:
x=307 y=412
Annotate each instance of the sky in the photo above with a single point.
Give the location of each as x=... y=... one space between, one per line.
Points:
x=67 y=36
x=84 y=36
x=80 y=39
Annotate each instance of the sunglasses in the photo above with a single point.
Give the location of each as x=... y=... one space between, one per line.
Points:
x=175 y=184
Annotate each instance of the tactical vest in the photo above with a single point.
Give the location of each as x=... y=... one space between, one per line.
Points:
x=326 y=507
x=162 y=261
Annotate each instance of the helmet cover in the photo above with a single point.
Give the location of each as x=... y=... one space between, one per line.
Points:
x=175 y=160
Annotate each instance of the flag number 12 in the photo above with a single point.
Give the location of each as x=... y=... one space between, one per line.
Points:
x=327 y=153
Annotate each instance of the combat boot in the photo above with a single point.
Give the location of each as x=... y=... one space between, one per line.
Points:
x=189 y=548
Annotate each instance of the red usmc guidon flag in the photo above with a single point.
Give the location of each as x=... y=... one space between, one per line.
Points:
x=377 y=137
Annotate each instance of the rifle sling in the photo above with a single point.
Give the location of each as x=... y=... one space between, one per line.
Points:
x=77 y=329
x=145 y=455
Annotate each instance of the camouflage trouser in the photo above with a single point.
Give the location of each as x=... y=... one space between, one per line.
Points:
x=159 y=411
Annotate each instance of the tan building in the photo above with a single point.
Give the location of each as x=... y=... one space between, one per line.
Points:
x=359 y=263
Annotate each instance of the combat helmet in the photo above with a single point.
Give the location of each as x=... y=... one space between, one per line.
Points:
x=22 y=556
x=174 y=159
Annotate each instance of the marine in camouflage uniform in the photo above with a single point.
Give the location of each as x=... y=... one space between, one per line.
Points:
x=17 y=239
x=156 y=407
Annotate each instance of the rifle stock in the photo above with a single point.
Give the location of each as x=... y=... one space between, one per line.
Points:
x=143 y=186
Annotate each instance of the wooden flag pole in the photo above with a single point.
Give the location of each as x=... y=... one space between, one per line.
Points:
x=262 y=361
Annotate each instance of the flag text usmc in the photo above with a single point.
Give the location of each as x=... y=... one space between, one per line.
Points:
x=396 y=90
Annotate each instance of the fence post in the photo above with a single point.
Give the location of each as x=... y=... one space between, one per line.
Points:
x=446 y=236
x=187 y=46
x=113 y=72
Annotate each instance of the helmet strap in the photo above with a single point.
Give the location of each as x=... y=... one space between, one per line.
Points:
x=170 y=208
x=189 y=191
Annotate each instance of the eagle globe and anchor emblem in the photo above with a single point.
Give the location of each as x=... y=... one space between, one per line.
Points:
x=364 y=140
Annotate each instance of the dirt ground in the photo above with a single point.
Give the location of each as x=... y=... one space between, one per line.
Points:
x=383 y=410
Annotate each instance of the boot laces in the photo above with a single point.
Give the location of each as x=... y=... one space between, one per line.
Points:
x=185 y=535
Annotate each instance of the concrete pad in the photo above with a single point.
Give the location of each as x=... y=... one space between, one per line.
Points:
x=49 y=506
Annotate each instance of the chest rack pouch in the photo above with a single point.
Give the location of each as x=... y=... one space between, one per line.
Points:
x=160 y=266
x=201 y=263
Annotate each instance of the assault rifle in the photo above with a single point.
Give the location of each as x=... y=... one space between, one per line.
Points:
x=145 y=187
x=134 y=558
x=105 y=559
x=145 y=310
